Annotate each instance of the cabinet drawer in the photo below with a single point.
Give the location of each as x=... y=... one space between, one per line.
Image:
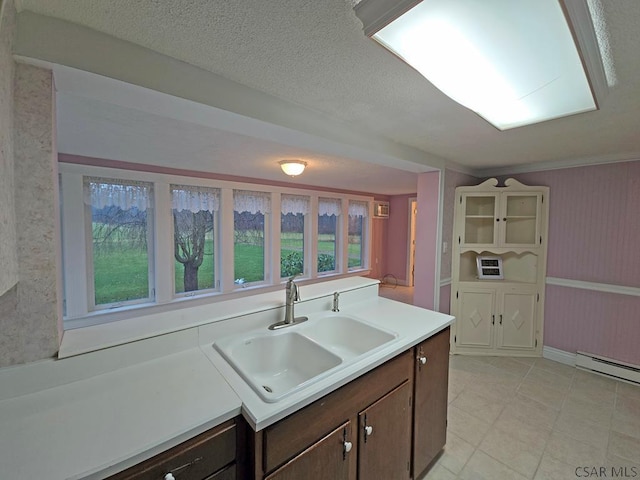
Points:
x=290 y=436
x=228 y=473
x=196 y=459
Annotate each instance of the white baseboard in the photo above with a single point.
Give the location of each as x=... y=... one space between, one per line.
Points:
x=609 y=367
x=559 y=356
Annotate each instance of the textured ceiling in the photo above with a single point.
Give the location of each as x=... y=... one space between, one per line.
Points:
x=313 y=53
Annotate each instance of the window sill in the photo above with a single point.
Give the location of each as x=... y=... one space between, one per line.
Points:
x=151 y=320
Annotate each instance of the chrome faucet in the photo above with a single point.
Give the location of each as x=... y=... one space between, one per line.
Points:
x=335 y=308
x=292 y=295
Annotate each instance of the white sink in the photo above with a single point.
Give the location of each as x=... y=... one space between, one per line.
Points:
x=345 y=335
x=277 y=364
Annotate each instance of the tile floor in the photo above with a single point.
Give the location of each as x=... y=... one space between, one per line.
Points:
x=532 y=418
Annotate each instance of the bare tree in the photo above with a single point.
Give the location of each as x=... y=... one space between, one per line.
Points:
x=189 y=239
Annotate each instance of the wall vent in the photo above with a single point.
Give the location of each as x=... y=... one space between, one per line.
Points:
x=608 y=367
x=380 y=209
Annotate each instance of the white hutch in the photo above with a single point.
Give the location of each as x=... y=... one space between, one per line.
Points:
x=499 y=268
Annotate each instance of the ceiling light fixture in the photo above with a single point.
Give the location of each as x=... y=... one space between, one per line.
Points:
x=513 y=63
x=292 y=168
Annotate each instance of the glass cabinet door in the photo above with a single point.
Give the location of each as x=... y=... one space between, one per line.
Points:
x=521 y=217
x=480 y=226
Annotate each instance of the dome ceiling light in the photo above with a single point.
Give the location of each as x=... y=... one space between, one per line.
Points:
x=293 y=168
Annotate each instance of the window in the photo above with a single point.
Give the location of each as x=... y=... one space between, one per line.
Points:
x=328 y=213
x=194 y=212
x=121 y=246
x=250 y=209
x=358 y=212
x=292 y=237
x=137 y=240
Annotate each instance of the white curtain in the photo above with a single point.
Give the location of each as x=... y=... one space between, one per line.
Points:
x=329 y=206
x=358 y=209
x=294 y=204
x=252 y=202
x=195 y=199
x=126 y=194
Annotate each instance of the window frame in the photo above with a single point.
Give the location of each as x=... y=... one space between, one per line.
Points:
x=76 y=275
x=365 y=243
x=89 y=251
x=307 y=239
x=216 y=248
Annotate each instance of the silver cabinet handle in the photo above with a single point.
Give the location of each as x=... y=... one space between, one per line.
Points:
x=348 y=446
x=169 y=476
x=422 y=360
x=368 y=430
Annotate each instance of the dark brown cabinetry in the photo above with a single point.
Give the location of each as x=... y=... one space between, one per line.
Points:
x=324 y=433
x=430 y=400
x=211 y=455
x=327 y=458
x=387 y=424
x=384 y=449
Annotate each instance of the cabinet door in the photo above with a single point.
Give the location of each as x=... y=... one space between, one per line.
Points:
x=430 y=400
x=331 y=458
x=520 y=215
x=479 y=220
x=475 y=319
x=517 y=322
x=384 y=445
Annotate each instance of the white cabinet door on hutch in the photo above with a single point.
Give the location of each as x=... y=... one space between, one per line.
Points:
x=507 y=225
x=500 y=318
x=516 y=320
x=475 y=319
x=501 y=219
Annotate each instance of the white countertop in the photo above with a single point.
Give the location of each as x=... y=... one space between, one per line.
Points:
x=411 y=324
x=95 y=425
x=106 y=423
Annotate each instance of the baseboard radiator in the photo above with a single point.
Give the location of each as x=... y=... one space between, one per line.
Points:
x=608 y=367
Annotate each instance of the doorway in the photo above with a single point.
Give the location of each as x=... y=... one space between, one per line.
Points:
x=411 y=236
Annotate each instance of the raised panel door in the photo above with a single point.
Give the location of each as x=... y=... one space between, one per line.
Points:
x=430 y=400
x=475 y=319
x=517 y=320
x=384 y=444
x=331 y=458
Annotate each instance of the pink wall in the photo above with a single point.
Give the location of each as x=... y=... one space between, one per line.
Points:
x=426 y=239
x=397 y=237
x=452 y=180
x=594 y=233
x=379 y=229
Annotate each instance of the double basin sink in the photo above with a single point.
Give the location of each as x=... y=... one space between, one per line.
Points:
x=278 y=363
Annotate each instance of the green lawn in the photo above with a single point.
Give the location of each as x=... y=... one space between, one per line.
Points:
x=123 y=275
